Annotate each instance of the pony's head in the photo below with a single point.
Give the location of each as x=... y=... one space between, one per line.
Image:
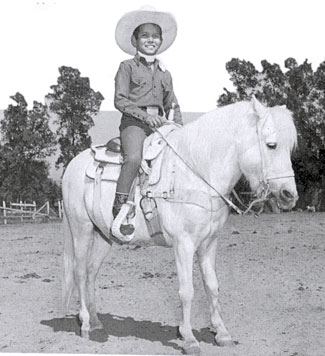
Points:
x=265 y=158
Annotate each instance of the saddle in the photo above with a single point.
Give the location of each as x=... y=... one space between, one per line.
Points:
x=106 y=166
x=108 y=157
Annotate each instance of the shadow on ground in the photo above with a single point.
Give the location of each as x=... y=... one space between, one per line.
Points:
x=125 y=327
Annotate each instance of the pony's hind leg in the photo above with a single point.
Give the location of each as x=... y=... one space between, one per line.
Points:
x=184 y=253
x=78 y=249
x=82 y=233
x=207 y=261
x=99 y=251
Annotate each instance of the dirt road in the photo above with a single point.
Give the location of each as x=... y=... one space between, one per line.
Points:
x=272 y=292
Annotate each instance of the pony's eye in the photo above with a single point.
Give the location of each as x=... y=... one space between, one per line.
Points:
x=271 y=145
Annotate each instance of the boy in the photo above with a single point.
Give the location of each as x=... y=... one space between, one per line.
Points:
x=143 y=91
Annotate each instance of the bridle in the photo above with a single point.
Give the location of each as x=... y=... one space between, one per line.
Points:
x=264 y=184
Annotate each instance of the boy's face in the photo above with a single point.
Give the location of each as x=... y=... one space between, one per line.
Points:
x=148 y=39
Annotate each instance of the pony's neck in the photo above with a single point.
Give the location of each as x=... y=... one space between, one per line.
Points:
x=209 y=145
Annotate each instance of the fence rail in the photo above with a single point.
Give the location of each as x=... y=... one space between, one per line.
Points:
x=24 y=212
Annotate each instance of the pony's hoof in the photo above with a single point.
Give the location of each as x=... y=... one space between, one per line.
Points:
x=192 y=350
x=224 y=340
x=85 y=334
x=97 y=325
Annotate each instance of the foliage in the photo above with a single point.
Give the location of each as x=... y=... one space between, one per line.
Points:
x=26 y=142
x=302 y=90
x=74 y=103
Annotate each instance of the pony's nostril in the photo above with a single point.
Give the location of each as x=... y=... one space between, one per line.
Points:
x=286 y=194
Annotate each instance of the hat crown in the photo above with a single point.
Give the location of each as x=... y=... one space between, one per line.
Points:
x=147 y=8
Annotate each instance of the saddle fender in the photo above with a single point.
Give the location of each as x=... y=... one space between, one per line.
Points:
x=106 y=166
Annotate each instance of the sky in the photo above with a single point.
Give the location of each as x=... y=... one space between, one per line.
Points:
x=39 y=36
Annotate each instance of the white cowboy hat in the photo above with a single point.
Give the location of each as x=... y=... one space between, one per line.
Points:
x=147 y=14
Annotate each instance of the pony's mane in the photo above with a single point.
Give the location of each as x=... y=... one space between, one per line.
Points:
x=228 y=122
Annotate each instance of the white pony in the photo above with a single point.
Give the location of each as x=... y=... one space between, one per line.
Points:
x=206 y=158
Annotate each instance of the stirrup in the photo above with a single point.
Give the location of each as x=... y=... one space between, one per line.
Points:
x=118 y=223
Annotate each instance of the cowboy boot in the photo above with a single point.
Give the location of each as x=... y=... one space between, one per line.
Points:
x=120 y=199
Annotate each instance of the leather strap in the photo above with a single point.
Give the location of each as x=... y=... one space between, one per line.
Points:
x=100 y=221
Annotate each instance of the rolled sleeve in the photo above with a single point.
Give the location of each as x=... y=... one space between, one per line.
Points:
x=170 y=99
x=178 y=115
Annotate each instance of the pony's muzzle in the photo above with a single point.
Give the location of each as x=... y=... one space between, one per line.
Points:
x=287 y=198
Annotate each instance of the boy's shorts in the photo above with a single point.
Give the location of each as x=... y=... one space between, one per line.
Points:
x=128 y=120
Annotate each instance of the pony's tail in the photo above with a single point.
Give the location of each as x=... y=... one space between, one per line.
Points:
x=69 y=262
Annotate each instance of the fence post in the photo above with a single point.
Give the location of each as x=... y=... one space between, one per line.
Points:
x=33 y=209
x=22 y=211
x=4 y=212
x=60 y=208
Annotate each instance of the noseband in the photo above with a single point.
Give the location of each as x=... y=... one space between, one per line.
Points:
x=264 y=183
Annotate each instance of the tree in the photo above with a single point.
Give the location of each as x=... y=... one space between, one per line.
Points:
x=27 y=141
x=302 y=91
x=74 y=103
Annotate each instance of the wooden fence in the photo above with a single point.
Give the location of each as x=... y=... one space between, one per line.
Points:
x=24 y=212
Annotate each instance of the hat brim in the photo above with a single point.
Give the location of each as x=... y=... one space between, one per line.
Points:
x=131 y=20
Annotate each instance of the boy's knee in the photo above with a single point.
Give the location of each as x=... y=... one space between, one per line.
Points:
x=133 y=160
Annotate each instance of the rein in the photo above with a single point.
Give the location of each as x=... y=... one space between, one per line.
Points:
x=264 y=183
x=224 y=198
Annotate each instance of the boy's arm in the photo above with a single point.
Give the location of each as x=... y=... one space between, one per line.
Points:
x=121 y=101
x=169 y=99
x=177 y=113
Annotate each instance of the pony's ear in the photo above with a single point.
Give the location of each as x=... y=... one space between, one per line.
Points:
x=265 y=122
x=261 y=110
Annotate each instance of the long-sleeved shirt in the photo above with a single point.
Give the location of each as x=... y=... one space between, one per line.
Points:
x=138 y=86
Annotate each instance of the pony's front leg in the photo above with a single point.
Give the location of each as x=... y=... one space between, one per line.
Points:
x=184 y=252
x=207 y=261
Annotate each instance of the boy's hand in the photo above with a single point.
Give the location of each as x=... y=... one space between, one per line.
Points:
x=155 y=121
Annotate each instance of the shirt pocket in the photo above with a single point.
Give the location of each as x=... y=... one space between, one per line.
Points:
x=138 y=80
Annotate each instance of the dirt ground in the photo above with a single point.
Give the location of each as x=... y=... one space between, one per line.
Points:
x=272 y=292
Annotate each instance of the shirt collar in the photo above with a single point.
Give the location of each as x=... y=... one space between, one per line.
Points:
x=160 y=63
x=149 y=59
